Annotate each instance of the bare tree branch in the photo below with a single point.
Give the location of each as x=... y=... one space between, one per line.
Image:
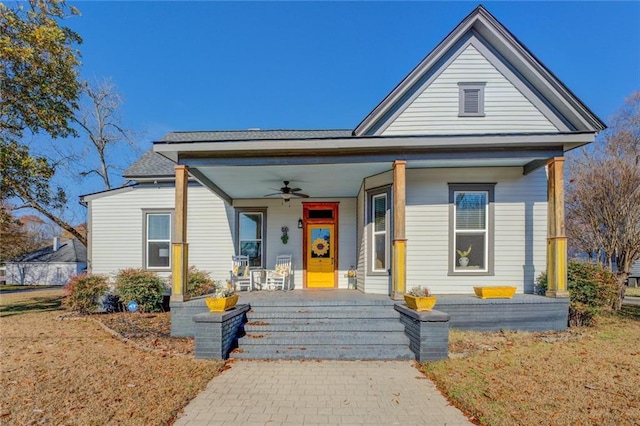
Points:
x=100 y=121
x=603 y=196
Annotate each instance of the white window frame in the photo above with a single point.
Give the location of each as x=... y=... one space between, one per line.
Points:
x=263 y=227
x=488 y=231
x=372 y=195
x=147 y=241
x=464 y=90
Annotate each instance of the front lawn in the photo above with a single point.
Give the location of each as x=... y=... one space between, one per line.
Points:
x=632 y=291
x=58 y=369
x=12 y=287
x=581 y=376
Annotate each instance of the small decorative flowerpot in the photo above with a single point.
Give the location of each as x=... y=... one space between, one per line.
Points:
x=464 y=261
x=495 y=292
x=221 y=304
x=420 y=303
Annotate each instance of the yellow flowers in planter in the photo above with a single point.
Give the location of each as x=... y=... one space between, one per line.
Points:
x=419 y=299
x=223 y=298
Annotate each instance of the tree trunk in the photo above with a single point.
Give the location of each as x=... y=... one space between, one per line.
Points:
x=622 y=289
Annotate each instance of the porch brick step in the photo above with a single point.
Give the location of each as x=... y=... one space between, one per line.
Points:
x=334 y=325
x=362 y=352
x=319 y=312
x=323 y=331
x=320 y=338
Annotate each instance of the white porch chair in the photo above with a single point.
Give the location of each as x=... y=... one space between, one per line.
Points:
x=280 y=277
x=240 y=275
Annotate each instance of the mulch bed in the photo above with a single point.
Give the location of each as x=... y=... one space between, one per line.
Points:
x=152 y=331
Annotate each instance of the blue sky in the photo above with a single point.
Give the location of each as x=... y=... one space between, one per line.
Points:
x=210 y=65
x=306 y=65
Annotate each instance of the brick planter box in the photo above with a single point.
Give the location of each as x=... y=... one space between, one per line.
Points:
x=428 y=332
x=216 y=333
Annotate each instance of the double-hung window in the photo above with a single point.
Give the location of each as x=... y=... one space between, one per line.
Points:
x=379 y=216
x=157 y=253
x=250 y=235
x=471 y=229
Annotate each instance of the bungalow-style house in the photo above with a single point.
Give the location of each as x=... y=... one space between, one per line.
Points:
x=51 y=265
x=453 y=180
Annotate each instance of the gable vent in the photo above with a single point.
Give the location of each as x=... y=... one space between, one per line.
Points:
x=471 y=99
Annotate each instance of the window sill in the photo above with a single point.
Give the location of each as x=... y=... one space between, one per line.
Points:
x=378 y=274
x=469 y=272
x=471 y=115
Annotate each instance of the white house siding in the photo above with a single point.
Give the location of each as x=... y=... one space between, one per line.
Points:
x=377 y=284
x=32 y=273
x=117 y=229
x=435 y=110
x=361 y=241
x=519 y=235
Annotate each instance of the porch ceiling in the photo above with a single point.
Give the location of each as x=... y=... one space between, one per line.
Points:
x=319 y=180
x=316 y=180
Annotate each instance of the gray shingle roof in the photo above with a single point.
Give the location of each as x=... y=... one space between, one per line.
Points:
x=152 y=164
x=69 y=251
x=149 y=165
x=244 y=135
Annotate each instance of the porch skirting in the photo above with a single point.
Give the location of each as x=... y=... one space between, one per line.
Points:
x=526 y=312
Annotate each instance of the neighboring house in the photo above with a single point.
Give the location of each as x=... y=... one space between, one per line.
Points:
x=634 y=277
x=52 y=265
x=463 y=159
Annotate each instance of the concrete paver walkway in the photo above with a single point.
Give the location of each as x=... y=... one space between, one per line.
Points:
x=321 y=392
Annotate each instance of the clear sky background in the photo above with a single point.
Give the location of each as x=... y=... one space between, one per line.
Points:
x=319 y=65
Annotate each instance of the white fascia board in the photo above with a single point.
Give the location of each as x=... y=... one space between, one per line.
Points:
x=90 y=197
x=374 y=143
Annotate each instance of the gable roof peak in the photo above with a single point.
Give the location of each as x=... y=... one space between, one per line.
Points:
x=483 y=26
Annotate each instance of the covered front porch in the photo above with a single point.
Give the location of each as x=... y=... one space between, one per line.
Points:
x=370 y=208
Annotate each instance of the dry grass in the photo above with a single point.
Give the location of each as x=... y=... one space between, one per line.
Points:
x=633 y=291
x=579 y=377
x=72 y=371
x=60 y=370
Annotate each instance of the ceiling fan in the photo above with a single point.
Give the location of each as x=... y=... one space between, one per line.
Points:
x=286 y=193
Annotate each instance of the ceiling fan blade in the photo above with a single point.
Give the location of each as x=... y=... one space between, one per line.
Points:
x=296 y=189
x=275 y=193
x=300 y=194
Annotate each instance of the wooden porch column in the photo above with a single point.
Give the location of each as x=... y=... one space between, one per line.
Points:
x=556 y=239
x=399 y=251
x=180 y=248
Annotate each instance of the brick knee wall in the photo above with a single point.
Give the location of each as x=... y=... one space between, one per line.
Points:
x=428 y=332
x=216 y=333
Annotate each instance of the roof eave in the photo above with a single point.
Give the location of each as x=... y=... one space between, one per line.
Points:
x=369 y=143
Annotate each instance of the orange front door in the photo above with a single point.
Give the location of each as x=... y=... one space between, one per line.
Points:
x=321 y=255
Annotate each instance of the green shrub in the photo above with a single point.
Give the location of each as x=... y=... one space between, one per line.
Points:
x=144 y=287
x=199 y=283
x=592 y=289
x=83 y=292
